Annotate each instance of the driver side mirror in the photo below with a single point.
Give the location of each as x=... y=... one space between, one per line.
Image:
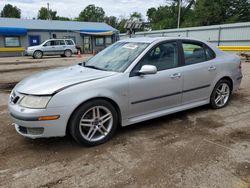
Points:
x=147 y=69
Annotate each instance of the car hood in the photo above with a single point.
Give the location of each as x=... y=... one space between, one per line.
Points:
x=54 y=80
x=33 y=47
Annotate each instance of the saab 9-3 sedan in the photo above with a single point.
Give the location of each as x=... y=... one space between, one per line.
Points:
x=131 y=81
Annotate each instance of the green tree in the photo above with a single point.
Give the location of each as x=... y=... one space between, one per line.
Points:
x=136 y=16
x=62 y=18
x=10 y=11
x=92 y=13
x=164 y=17
x=111 y=20
x=121 y=24
x=238 y=11
x=210 y=12
x=44 y=14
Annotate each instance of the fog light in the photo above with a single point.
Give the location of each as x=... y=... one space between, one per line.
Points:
x=35 y=131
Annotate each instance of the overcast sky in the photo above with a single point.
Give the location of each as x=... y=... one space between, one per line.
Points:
x=72 y=8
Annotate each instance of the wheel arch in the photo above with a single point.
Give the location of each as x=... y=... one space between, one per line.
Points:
x=229 y=79
x=38 y=50
x=68 y=50
x=116 y=106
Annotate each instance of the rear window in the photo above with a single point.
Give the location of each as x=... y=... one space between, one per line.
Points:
x=69 y=42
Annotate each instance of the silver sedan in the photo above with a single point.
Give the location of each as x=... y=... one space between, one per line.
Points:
x=131 y=81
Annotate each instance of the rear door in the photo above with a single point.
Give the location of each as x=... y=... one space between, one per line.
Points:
x=59 y=46
x=198 y=72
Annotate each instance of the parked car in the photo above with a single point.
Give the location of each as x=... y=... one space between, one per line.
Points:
x=131 y=81
x=63 y=47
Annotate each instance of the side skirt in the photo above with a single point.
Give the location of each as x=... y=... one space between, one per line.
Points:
x=164 y=112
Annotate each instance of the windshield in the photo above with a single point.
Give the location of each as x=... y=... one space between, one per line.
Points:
x=116 y=57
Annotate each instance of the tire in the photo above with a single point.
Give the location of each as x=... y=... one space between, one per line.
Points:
x=94 y=130
x=38 y=54
x=221 y=94
x=67 y=53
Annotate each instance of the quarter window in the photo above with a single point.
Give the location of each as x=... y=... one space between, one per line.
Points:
x=209 y=54
x=12 y=41
x=164 y=56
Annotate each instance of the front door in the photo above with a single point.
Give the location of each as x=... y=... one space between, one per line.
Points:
x=87 y=45
x=198 y=72
x=160 y=91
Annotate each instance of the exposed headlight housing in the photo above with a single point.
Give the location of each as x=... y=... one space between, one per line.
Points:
x=31 y=101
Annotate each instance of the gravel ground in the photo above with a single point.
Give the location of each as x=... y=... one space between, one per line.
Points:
x=195 y=148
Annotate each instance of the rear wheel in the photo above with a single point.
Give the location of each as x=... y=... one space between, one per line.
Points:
x=93 y=123
x=38 y=54
x=221 y=94
x=67 y=53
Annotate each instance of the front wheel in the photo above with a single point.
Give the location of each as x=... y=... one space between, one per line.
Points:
x=93 y=123
x=221 y=94
x=38 y=54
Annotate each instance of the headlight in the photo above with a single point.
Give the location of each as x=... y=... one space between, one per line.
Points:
x=30 y=101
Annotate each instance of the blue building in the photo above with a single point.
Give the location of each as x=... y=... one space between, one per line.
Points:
x=17 y=34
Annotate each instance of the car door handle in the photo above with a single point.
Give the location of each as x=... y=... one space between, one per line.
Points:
x=176 y=75
x=212 y=68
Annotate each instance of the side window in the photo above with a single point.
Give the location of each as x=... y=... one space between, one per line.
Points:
x=164 y=56
x=209 y=54
x=69 y=42
x=61 y=42
x=193 y=53
x=48 y=43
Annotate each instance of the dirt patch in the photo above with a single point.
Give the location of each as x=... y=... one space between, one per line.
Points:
x=28 y=68
x=243 y=171
x=7 y=86
x=241 y=96
x=240 y=135
x=20 y=63
x=209 y=122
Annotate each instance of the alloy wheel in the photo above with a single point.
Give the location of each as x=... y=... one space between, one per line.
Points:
x=222 y=94
x=96 y=123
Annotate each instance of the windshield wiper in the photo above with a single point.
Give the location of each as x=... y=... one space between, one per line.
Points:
x=93 y=67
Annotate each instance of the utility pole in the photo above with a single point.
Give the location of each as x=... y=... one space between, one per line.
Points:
x=179 y=15
x=49 y=18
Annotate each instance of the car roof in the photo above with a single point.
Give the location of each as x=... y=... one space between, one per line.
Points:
x=159 y=39
x=59 y=39
x=154 y=39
